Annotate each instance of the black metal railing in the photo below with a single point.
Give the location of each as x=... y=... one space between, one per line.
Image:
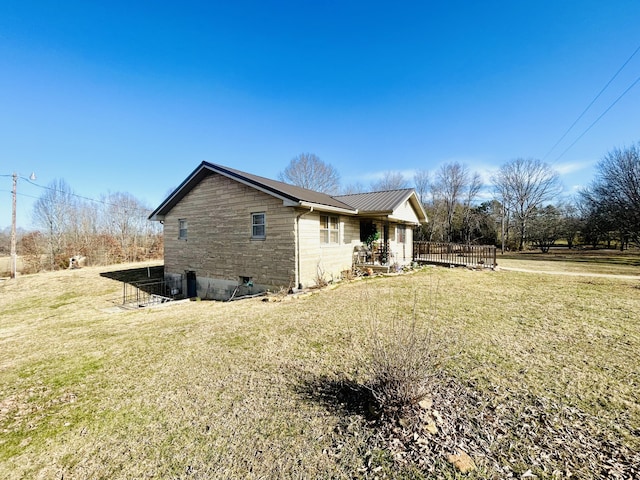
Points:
x=455 y=254
x=145 y=294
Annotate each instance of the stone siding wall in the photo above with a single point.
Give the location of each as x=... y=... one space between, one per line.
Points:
x=219 y=243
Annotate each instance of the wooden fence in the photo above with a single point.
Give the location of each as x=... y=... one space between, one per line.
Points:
x=455 y=254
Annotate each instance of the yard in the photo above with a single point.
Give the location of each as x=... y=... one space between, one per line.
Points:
x=540 y=375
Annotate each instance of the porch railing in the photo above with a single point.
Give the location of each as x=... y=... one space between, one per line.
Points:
x=455 y=254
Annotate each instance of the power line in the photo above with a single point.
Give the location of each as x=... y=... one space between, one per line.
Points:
x=145 y=211
x=19 y=194
x=597 y=119
x=589 y=106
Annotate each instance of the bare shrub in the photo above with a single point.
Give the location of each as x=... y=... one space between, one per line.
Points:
x=320 y=280
x=347 y=275
x=404 y=360
x=31 y=247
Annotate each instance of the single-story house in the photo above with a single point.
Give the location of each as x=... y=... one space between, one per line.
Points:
x=228 y=232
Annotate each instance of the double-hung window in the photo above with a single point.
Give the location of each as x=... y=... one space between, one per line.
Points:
x=182 y=229
x=259 y=226
x=329 y=230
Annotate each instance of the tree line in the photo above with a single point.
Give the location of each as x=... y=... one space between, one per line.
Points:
x=525 y=209
x=112 y=229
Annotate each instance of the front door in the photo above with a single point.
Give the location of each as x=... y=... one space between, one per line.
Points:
x=401 y=238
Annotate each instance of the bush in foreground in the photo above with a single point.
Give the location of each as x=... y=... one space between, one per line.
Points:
x=404 y=361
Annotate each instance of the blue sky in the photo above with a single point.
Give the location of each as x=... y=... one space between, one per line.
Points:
x=132 y=96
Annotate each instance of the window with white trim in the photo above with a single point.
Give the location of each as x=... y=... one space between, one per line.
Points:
x=329 y=230
x=182 y=229
x=259 y=225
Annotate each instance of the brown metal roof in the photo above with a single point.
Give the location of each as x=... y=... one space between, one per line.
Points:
x=364 y=203
x=379 y=202
x=385 y=202
x=278 y=189
x=293 y=192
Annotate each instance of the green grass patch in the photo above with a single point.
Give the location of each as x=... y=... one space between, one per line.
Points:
x=64 y=299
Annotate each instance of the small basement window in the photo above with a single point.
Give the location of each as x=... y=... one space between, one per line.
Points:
x=182 y=229
x=258 y=225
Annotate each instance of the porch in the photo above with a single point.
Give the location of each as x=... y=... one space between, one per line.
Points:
x=377 y=258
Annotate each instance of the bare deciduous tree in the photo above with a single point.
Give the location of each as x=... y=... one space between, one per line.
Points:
x=546 y=227
x=454 y=187
x=472 y=189
x=615 y=192
x=53 y=211
x=125 y=218
x=110 y=230
x=5 y=241
x=308 y=171
x=353 y=188
x=390 y=181
x=31 y=252
x=83 y=228
x=571 y=222
x=422 y=183
x=523 y=185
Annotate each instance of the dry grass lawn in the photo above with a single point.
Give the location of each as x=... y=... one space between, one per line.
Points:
x=599 y=261
x=252 y=389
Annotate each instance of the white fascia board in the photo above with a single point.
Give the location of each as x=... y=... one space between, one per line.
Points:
x=403 y=221
x=328 y=208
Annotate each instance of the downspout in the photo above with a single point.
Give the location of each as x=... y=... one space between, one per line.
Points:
x=298 y=268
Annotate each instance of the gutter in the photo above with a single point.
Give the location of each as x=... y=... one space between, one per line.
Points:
x=327 y=208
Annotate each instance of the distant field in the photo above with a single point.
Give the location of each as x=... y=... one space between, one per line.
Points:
x=545 y=371
x=576 y=260
x=5 y=265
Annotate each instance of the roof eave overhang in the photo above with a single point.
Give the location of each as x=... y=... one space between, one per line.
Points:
x=376 y=213
x=159 y=213
x=419 y=209
x=327 y=208
x=196 y=176
x=404 y=221
x=389 y=216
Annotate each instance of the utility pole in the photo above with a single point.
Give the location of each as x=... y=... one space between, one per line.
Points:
x=14 y=259
x=14 y=256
